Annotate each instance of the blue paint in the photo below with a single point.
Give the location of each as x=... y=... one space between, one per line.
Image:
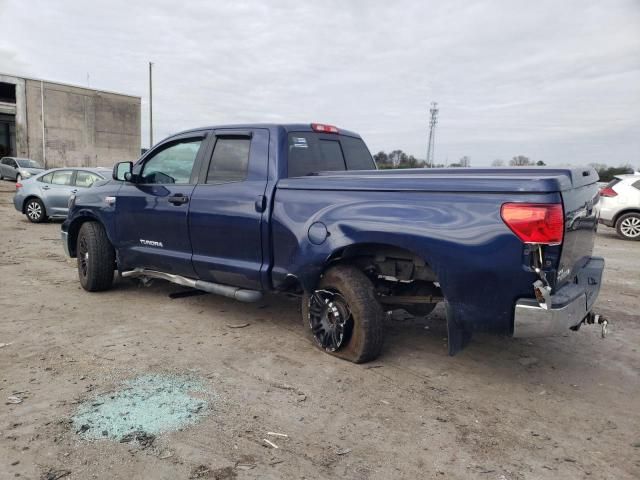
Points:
x=151 y=404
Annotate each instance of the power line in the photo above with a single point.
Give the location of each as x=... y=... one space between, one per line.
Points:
x=431 y=148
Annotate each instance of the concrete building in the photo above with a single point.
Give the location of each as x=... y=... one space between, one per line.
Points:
x=63 y=125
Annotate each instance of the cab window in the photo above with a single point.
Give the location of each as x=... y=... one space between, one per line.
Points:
x=230 y=160
x=86 y=179
x=46 y=178
x=62 y=177
x=172 y=164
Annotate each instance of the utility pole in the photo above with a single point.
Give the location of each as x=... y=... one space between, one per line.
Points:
x=431 y=148
x=150 y=104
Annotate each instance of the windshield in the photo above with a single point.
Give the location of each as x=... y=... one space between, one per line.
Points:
x=311 y=152
x=26 y=163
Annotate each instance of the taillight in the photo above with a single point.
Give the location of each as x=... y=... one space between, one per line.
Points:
x=319 y=127
x=608 y=192
x=18 y=185
x=535 y=222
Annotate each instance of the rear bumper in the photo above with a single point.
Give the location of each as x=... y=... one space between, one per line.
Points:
x=569 y=305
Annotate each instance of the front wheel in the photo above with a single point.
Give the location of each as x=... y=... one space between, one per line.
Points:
x=344 y=316
x=628 y=226
x=96 y=258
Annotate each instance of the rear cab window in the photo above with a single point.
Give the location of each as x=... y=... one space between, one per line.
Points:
x=310 y=152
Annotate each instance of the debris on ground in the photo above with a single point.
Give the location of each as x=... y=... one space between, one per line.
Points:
x=238 y=325
x=142 y=408
x=142 y=438
x=276 y=434
x=270 y=443
x=2 y=345
x=55 y=474
x=13 y=400
x=344 y=451
x=201 y=471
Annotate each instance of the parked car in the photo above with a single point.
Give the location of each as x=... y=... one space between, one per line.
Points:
x=12 y=168
x=620 y=206
x=301 y=210
x=47 y=195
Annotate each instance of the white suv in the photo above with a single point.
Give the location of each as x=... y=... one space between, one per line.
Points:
x=620 y=206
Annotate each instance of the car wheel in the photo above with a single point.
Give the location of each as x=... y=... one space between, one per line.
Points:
x=35 y=211
x=628 y=226
x=96 y=257
x=344 y=316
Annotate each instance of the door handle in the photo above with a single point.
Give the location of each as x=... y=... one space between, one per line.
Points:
x=75 y=190
x=178 y=199
x=261 y=203
x=45 y=187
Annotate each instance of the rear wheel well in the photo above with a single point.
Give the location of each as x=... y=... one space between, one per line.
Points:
x=26 y=200
x=402 y=278
x=380 y=260
x=624 y=212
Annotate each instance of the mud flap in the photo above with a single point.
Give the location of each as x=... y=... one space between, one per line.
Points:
x=458 y=336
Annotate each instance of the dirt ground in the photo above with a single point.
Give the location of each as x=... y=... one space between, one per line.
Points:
x=565 y=407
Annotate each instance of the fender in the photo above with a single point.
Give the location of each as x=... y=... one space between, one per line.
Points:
x=460 y=235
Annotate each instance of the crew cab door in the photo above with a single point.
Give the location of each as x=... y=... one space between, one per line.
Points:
x=228 y=206
x=152 y=226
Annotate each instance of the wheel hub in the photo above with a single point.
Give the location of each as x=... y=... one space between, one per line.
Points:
x=330 y=319
x=630 y=227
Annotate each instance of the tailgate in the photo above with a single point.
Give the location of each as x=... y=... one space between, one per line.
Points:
x=581 y=219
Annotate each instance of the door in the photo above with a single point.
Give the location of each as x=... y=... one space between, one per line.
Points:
x=151 y=222
x=11 y=169
x=227 y=209
x=56 y=193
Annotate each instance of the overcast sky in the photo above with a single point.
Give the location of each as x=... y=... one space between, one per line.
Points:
x=556 y=81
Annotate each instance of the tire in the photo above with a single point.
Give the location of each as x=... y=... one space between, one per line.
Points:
x=35 y=211
x=96 y=258
x=345 y=292
x=628 y=226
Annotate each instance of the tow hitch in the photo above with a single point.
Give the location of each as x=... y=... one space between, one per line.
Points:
x=595 y=319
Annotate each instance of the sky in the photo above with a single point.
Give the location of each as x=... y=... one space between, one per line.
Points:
x=555 y=81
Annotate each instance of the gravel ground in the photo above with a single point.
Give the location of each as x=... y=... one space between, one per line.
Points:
x=565 y=407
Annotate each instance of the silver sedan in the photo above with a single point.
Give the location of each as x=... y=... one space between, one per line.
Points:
x=47 y=195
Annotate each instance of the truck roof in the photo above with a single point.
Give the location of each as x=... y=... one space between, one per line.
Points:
x=286 y=127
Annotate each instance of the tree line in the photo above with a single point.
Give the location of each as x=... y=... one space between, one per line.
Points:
x=399 y=159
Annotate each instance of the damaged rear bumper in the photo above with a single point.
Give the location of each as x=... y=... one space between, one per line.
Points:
x=569 y=305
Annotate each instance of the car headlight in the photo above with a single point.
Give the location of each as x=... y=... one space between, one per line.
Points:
x=24 y=174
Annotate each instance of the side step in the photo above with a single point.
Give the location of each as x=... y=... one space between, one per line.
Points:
x=216 y=288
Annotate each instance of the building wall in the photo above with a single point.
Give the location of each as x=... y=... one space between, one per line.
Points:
x=83 y=127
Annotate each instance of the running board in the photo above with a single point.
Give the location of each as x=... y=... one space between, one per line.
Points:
x=216 y=288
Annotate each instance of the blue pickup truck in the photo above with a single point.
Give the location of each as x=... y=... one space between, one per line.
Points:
x=301 y=209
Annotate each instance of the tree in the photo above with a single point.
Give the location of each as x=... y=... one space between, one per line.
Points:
x=497 y=163
x=540 y=163
x=606 y=173
x=520 y=161
x=382 y=159
x=465 y=162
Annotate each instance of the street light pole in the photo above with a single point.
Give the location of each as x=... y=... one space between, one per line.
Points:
x=150 y=104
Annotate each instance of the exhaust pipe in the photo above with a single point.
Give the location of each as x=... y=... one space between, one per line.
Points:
x=236 y=293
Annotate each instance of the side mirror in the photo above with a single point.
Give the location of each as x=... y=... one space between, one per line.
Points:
x=122 y=171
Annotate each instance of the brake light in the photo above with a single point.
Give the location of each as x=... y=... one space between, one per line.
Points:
x=535 y=222
x=18 y=185
x=608 y=192
x=319 y=127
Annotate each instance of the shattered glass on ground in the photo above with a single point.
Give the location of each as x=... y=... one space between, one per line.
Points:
x=150 y=404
